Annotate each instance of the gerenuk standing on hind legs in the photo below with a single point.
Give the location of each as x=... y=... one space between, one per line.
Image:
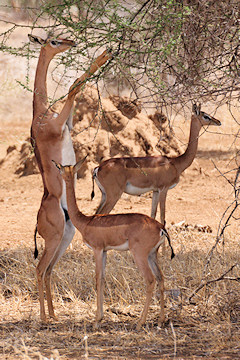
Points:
x=50 y=136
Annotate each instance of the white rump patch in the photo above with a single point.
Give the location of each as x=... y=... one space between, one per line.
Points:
x=99 y=185
x=161 y=240
x=95 y=171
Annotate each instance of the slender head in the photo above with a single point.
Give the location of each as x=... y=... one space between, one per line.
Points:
x=204 y=118
x=69 y=170
x=53 y=45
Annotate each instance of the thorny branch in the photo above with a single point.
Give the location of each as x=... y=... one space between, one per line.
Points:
x=222 y=277
x=233 y=206
x=220 y=236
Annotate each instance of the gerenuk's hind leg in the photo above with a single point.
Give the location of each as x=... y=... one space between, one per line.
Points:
x=100 y=258
x=68 y=235
x=160 y=280
x=50 y=227
x=162 y=205
x=143 y=265
x=109 y=199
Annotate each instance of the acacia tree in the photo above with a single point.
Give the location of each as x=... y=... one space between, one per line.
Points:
x=167 y=52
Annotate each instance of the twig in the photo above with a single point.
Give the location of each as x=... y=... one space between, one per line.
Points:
x=174 y=340
x=226 y=223
x=222 y=277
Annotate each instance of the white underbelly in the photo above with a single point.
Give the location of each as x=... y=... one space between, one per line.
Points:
x=122 y=247
x=173 y=186
x=68 y=154
x=134 y=190
x=68 y=158
x=88 y=245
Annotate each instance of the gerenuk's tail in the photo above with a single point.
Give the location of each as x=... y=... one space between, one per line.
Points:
x=93 y=177
x=169 y=242
x=35 y=241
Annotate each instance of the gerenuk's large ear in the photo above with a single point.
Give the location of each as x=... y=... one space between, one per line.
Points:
x=78 y=165
x=196 y=109
x=58 y=166
x=36 y=39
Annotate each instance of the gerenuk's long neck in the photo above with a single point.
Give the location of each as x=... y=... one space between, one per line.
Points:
x=78 y=219
x=183 y=161
x=40 y=99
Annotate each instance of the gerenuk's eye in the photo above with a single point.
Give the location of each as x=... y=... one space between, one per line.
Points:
x=54 y=43
x=206 y=117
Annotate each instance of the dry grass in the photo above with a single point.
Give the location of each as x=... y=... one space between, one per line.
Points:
x=209 y=329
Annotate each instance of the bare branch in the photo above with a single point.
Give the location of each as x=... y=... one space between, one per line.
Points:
x=221 y=277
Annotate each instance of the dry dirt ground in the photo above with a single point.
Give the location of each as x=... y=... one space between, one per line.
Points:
x=207 y=329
